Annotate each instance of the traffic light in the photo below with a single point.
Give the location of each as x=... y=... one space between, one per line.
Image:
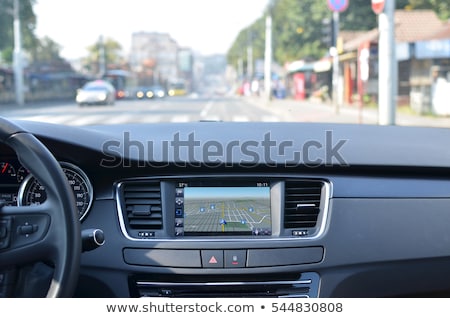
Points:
x=328 y=38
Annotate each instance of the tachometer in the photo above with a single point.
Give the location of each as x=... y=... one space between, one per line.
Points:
x=32 y=192
x=7 y=172
x=22 y=173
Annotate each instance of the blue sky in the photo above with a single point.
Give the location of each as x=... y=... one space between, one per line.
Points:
x=207 y=26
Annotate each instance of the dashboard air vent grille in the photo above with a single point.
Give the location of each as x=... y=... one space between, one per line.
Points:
x=142 y=205
x=302 y=203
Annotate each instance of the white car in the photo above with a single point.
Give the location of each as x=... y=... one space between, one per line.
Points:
x=96 y=92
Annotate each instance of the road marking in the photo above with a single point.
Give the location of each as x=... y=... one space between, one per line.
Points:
x=240 y=118
x=150 y=119
x=212 y=118
x=180 y=119
x=54 y=119
x=206 y=109
x=120 y=119
x=270 y=119
x=87 y=120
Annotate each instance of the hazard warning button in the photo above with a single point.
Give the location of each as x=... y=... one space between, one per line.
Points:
x=212 y=258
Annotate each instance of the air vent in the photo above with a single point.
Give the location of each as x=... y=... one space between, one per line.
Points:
x=302 y=203
x=142 y=205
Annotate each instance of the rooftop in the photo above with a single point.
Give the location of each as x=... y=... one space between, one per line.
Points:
x=410 y=26
x=416 y=25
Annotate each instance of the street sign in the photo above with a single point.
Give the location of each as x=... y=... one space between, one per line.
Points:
x=338 y=5
x=378 y=6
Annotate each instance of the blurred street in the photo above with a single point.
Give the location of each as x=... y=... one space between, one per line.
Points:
x=314 y=111
x=218 y=108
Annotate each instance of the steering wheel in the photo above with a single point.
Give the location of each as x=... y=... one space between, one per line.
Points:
x=49 y=232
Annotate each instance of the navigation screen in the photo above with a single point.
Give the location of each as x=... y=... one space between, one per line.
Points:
x=223 y=211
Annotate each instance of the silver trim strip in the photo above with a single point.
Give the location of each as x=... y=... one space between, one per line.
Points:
x=306 y=205
x=288 y=282
x=321 y=223
x=64 y=165
x=95 y=238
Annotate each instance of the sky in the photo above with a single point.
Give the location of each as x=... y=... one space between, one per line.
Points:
x=206 y=26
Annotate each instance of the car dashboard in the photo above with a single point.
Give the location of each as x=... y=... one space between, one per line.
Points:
x=253 y=210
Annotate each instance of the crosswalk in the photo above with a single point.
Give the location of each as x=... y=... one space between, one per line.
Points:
x=181 y=110
x=77 y=119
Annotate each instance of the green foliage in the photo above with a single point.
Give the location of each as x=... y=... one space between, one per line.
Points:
x=28 y=25
x=441 y=7
x=358 y=16
x=112 y=51
x=46 y=50
x=296 y=32
x=297 y=27
x=253 y=35
x=7 y=54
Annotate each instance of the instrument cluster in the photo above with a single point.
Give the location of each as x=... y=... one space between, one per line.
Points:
x=19 y=187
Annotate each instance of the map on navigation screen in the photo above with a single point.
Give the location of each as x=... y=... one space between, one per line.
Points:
x=232 y=210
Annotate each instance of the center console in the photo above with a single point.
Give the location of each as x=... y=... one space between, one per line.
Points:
x=232 y=233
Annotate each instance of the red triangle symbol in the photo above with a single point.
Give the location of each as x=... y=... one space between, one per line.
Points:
x=212 y=260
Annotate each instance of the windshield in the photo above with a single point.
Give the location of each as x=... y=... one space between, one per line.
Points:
x=247 y=61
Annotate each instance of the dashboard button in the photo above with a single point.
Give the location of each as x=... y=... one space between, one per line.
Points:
x=3 y=231
x=5 y=226
x=25 y=229
x=235 y=258
x=162 y=257
x=284 y=256
x=212 y=258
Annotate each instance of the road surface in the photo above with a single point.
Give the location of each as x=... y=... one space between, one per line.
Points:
x=197 y=108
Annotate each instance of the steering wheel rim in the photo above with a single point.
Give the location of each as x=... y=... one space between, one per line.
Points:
x=57 y=235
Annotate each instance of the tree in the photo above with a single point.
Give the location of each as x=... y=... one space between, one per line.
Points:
x=252 y=35
x=297 y=29
x=442 y=8
x=112 y=54
x=28 y=25
x=297 y=26
x=46 y=50
x=358 y=16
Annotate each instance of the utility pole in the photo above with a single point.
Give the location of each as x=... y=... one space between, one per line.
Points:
x=240 y=67
x=268 y=58
x=387 y=74
x=250 y=55
x=101 y=57
x=335 y=54
x=336 y=7
x=18 y=66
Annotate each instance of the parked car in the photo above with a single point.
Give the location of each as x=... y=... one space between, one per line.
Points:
x=96 y=92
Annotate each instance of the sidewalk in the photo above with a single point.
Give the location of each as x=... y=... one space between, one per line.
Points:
x=35 y=104
x=313 y=111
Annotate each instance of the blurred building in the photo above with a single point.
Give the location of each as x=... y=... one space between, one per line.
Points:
x=422 y=56
x=154 y=57
x=186 y=67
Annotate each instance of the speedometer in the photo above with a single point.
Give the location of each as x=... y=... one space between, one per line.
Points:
x=31 y=192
